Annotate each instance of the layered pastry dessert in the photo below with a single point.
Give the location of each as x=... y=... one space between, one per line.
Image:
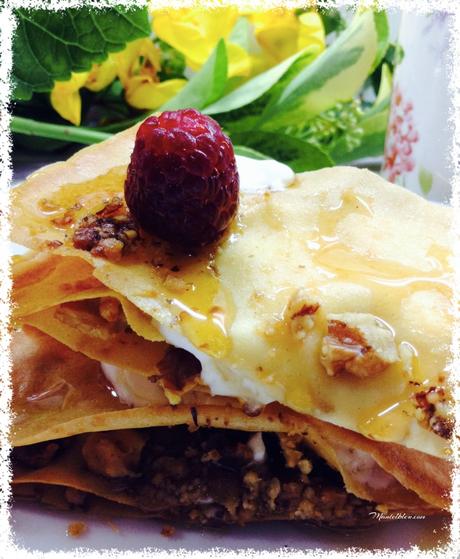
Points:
x=190 y=347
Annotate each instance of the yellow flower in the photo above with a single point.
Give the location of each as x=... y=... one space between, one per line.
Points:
x=195 y=33
x=65 y=97
x=137 y=68
x=311 y=31
x=140 y=56
x=101 y=75
x=143 y=93
x=281 y=33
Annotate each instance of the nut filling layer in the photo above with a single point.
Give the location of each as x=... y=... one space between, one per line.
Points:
x=212 y=476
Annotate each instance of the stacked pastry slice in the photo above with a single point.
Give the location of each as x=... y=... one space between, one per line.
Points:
x=296 y=369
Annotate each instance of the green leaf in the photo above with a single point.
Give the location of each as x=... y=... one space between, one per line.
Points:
x=172 y=62
x=49 y=45
x=249 y=152
x=256 y=87
x=425 y=178
x=242 y=34
x=298 y=154
x=383 y=37
x=394 y=55
x=384 y=94
x=373 y=123
x=332 y=20
x=372 y=145
x=335 y=76
x=206 y=85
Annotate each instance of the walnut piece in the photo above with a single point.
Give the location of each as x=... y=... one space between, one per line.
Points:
x=300 y=313
x=109 y=233
x=179 y=372
x=114 y=453
x=359 y=344
x=434 y=411
x=110 y=309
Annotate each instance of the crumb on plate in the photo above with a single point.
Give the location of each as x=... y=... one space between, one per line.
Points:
x=76 y=529
x=168 y=531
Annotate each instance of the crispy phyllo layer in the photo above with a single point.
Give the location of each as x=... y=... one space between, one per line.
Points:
x=42 y=281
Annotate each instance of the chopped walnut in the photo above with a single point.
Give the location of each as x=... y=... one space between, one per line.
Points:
x=112 y=249
x=290 y=445
x=108 y=233
x=65 y=220
x=357 y=343
x=179 y=372
x=273 y=490
x=175 y=284
x=300 y=313
x=114 y=453
x=305 y=466
x=50 y=245
x=251 y=478
x=113 y=207
x=168 y=531
x=76 y=529
x=212 y=456
x=433 y=411
x=110 y=309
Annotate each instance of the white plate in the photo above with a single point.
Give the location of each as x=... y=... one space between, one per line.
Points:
x=35 y=528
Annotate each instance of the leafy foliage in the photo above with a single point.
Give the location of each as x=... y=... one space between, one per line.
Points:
x=310 y=110
x=172 y=61
x=206 y=85
x=333 y=21
x=295 y=152
x=49 y=45
x=254 y=88
x=336 y=75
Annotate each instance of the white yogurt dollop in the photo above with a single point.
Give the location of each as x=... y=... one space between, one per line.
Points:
x=222 y=379
x=262 y=175
x=132 y=388
x=256 y=444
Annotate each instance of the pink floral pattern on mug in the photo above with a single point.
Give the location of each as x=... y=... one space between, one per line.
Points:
x=401 y=135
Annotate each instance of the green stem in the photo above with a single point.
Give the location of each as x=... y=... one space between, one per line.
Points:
x=76 y=134
x=123 y=124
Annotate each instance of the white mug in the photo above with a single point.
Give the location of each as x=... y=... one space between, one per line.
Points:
x=419 y=137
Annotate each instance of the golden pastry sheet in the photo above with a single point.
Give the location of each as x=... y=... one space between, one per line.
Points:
x=344 y=238
x=42 y=280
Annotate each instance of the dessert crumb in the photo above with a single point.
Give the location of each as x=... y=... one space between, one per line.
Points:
x=76 y=529
x=168 y=531
x=113 y=526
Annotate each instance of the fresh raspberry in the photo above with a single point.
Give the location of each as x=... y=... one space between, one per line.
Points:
x=182 y=182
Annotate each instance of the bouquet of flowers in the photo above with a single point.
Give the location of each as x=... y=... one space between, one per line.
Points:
x=307 y=87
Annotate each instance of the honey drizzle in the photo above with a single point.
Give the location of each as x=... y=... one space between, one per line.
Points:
x=390 y=283
x=205 y=310
x=190 y=287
